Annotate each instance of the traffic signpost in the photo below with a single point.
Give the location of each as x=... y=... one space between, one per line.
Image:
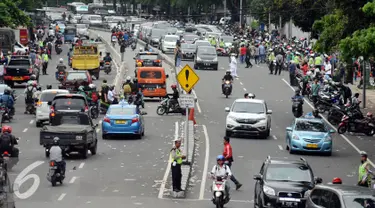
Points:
x=187 y=78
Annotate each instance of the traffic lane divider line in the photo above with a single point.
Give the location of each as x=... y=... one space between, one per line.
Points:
x=73 y=179
x=206 y=160
x=61 y=197
x=324 y=118
x=81 y=165
x=31 y=122
x=25 y=130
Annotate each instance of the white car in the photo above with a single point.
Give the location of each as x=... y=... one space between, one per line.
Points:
x=19 y=47
x=42 y=108
x=168 y=43
x=248 y=117
x=82 y=30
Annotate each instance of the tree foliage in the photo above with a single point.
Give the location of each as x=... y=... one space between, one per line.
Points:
x=29 y=5
x=11 y=15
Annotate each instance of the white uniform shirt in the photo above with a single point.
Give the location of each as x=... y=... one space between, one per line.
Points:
x=327 y=68
x=110 y=96
x=218 y=170
x=55 y=153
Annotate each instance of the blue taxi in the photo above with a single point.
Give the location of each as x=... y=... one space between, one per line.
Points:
x=309 y=135
x=123 y=119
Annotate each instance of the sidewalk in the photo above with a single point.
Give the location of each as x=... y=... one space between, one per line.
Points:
x=370 y=97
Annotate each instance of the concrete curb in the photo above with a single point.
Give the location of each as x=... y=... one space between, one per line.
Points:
x=186 y=168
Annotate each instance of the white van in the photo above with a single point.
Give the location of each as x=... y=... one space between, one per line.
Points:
x=91 y=19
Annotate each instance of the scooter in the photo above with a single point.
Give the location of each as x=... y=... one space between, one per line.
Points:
x=55 y=173
x=5 y=116
x=351 y=125
x=297 y=108
x=30 y=109
x=107 y=67
x=227 y=89
x=60 y=76
x=220 y=195
x=164 y=108
x=9 y=162
x=58 y=49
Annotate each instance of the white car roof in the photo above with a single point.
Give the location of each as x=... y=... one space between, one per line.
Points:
x=242 y=100
x=56 y=90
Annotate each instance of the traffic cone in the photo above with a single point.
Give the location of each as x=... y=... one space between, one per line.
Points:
x=191 y=115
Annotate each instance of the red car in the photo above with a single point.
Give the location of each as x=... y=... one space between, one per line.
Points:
x=74 y=79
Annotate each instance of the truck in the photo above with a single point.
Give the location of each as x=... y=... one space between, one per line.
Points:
x=87 y=57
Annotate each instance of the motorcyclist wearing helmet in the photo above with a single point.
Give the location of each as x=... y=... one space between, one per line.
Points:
x=227 y=77
x=56 y=153
x=81 y=91
x=7 y=100
x=138 y=101
x=107 y=58
x=60 y=67
x=298 y=97
x=128 y=87
x=8 y=142
x=174 y=100
x=29 y=94
x=249 y=96
x=364 y=171
x=336 y=181
x=221 y=170
x=313 y=114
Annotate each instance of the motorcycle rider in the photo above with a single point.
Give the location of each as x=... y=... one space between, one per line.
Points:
x=249 y=96
x=174 y=100
x=298 y=98
x=227 y=77
x=58 y=43
x=29 y=95
x=81 y=91
x=70 y=54
x=355 y=99
x=107 y=58
x=8 y=142
x=127 y=87
x=56 y=154
x=364 y=171
x=60 y=67
x=135 y=86
x=221 y=170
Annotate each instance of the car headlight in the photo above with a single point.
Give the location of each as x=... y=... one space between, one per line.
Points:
x=306 y=194
x=295 y=137
x=78 y=137
x=269 y=191
x=328 y=139
x=199 y=59
x=215 y=59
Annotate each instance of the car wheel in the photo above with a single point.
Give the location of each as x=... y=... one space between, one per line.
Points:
x=228 y=133
x=38 y=124
x=84 y=152
x=94 y=148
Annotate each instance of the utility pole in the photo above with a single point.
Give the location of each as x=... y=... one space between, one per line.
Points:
x=241 y=13
x=280 y=23
x=269 y=21
x=225 y=8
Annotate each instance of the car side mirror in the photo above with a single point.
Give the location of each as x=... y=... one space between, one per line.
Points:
x=318 y=180
x=269 y=111
x=49 y=103
x=227 y=109
x=257 y=177
x=332 y=131
x=289 y=129
x=167 y=76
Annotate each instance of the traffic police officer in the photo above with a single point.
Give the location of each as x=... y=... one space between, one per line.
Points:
x=177 y=157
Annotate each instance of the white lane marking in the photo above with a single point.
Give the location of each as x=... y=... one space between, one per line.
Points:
x=25 y=130
x=32 y=121
x=197 y=103
x=194 y=200
x=73 y=179
x=61 y=196
x=97 y=130
x=241 y=83
x=274 y=137
x=280 y=147
x=168 y=170
x=244 y=89
x=324 y=118
x=205 y=167
x=81 y=165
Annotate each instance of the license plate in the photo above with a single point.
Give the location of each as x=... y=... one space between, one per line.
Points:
x=120 y=122
x=246 y=127
x=206 y=64
x=151 y=89
x=17 y=78
x=289 y=200
x=312 y=145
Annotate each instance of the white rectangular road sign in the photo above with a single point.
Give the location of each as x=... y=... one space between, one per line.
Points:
x=186 y=101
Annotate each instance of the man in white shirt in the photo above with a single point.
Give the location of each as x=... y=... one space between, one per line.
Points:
x=327 y=67
x=222 y=170
x=110 y=95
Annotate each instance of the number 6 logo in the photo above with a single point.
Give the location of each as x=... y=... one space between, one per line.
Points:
x=23 y=177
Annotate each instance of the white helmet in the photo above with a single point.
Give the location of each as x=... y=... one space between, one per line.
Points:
x=61 y=60
x=141 y=49
x=92 y=86
x=128 y=78
x=309 y=73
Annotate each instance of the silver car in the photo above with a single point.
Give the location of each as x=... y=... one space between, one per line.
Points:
x=248 y=117
x=42 y=108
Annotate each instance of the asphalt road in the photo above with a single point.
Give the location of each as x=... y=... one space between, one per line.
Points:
x=122 y=171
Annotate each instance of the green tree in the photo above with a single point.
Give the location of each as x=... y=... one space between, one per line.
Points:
x=11 y=15
x=29 y=5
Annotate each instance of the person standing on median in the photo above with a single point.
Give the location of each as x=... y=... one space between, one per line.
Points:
x=227 y=153
x=177 y=157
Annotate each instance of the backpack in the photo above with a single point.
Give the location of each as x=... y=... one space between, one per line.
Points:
x=5 y=141
x=127 y=89
x=29 y=94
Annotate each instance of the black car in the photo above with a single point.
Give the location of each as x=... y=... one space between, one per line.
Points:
x=283 y=183
x=19 y=70
x=341 y=196
x=206 y=58
x=67 y=103
x=76 y=131
x=188 y=51
x=148 y=59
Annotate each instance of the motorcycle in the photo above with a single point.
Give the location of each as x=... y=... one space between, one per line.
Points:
x=60 y=76
x=5 y=116
x=94 y=111
x=164 y=108
x=8 y=161
x=227 y=89
x=58 y=49
x=336 y=113
x=55 y=173
x=107 y=67
x=220 y=195
x=356 y=126
x=297 y=108
x=30 y=108
x=326 y=101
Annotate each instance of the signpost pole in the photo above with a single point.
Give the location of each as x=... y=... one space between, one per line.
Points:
x=186 y=140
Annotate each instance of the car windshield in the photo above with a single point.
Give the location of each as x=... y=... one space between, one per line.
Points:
x=248 y=107
x=81 y=26
x=121 y=111
x=76 y=76
x=65 y=103
x=365 y=201
x=148 y=57
x=19 y=62
x=171 y=39
x=293 y=172
x=157 y=33
x=48 y=96
x=185 y=46
x=151 y=74
x=315 y=126
x=227 y=39
x=80 y=119
x=207 y=51
x=190 y=37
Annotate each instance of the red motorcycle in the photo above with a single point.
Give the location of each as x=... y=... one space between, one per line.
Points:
x=365 y=125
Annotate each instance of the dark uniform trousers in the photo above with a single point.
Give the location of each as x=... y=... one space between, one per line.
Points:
x=176 y=176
